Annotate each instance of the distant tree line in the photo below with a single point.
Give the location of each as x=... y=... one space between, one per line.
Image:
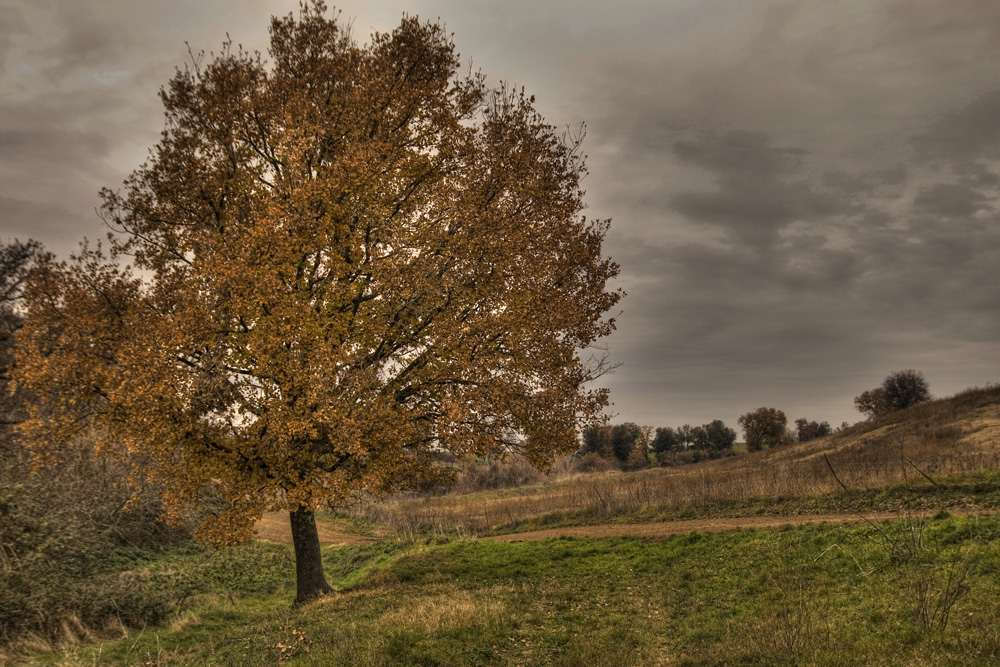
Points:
x=623 y=445
x=768 y=427
x=629 y=446
x=710 y=440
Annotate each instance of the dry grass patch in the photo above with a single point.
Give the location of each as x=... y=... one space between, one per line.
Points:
x=452 y=610
x=275 y=527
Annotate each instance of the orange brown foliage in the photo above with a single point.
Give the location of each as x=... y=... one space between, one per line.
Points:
x=344 y=262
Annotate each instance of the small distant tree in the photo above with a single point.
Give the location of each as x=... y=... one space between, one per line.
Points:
x=872 y=403
x=623 y=440
x=686 y=436
x=699 y=438
x=899 y=391
x=645 y=439
x=639 y=458
x=905 y=388
x=764 y=427
x=719 y=438
x=806 y=430
x=597 y=440
x=665 y=440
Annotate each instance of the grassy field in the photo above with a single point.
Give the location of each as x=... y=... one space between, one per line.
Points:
x=429 y=586
x=895 y=593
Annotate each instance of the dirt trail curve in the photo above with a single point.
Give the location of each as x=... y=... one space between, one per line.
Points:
x=274 y=527
x=663 y=529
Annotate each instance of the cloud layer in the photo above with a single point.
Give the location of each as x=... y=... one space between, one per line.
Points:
x=806 y=196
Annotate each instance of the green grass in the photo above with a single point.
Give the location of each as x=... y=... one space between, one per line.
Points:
x=815 y=594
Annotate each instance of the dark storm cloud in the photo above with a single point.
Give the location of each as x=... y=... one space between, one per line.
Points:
x=830 y=206
x=759 y=189
x=79 y=108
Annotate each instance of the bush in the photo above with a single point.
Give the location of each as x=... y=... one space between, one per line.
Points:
x=67 y=541
x=496 y=473
x=669 y=459
x=638 y=459
x=806 y=430
x=594 y=462
x=66 y=537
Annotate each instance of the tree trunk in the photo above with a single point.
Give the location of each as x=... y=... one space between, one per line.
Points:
x=309 y=580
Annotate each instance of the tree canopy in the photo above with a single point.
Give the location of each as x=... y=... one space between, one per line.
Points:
x=345 y=260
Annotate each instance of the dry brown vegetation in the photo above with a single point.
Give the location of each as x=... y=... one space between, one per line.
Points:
x=949 y=436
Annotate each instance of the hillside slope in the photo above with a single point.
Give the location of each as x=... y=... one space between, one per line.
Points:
x=927 y=445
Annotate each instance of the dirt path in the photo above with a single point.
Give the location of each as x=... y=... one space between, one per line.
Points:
x=276 y=528
x=718 y=525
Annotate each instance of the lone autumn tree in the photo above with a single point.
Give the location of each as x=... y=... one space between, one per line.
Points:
x=345 y=260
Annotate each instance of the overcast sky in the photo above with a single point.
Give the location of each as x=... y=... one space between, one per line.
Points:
x=804 y=195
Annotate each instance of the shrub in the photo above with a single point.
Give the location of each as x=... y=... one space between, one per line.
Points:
x=594 y=462
x=809 y=430
x=67 y=541
x=496 y=473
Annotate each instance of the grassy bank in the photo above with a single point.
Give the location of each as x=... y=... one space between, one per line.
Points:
x=519 y=510
x=939 y=449
x=896 y=593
